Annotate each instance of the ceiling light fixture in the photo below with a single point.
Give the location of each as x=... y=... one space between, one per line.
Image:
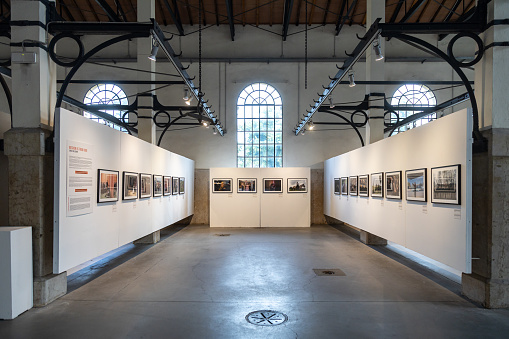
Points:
x=331 y=104
x=214 y=131
x=311 y=125
x=186 y=94
x=351 y=78
x=378 y=50
x=303 y=131
x=153 y=52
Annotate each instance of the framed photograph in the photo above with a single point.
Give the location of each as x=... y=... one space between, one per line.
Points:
x=130 y=191
x=337 y=186
x=415 y=183
x=175 y=185
x=222 y=185
x=246 y=185
x=182 y=184
x=145 y=185
x=377 y=185
x=393 y=185
x=445 y=185
x=297 y=185
x=158 y=185
x=272 y=185
x=364 y=185
x=108 y=186
x=353 y=187
x=344 y=185
x=166 y=185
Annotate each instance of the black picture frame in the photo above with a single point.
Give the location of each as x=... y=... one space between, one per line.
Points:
x=272 y=185
x=296 y=185
x=145 y=185
x=416 y=185
x=166 y=185
x=377 y=185
x=246 y=185
x=130 y=185
x=363 y=185
x=174 y=185
x=446 y=185
x=182 y=185
x=222 y=185
x=344 y=185
x=107 y=186
x=337 y=186
x=393 y=185
x=353 y=185
x=157 y=182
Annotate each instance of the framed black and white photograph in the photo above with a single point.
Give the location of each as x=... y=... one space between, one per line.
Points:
x=344 y=185
x=108 y=186
x=166 y=185
x=145 y=185
x=182 y=185
x=363 y=185
x=157 y=180
x=272 y=185
x=353 y=187
x=377 y=185
x=393 y=185
x=337 y=186
x=445 y=185
x=246 y=185
x=297 y=185
x=174 y=185
x=222 y=185
x=415 y=183
x=130 y=186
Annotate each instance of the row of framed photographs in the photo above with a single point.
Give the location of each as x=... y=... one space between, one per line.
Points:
x=136 y=185
x=445 y=185
x=270 y=185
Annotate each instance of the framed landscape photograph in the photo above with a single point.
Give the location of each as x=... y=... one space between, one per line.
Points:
x=222 y=185
x=108 y=186
x=182 y=184
x=246 y=185
x=130 y=190
x=272 y=185
x=353 y=185
x=344 y=185
x=145 y=185
x=393 y=185
x=445 y=185
x=175 y=185
x=297 y=185
x=166 y=185
x=158 y=185
x=377 y=185
x=415 y=183
x=363 y=185
x=337 y=186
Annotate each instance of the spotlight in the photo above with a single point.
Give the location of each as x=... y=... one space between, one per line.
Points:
x=186 y=94
x=303 y=131
x=214 y=131
x=351 y=79
x=311 y=125
x=153 y=52
x=378 y=50
x=331 y=104
x=205 y=123
x=188 y=101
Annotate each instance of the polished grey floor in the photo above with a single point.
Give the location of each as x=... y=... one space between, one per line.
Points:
x=196 y=284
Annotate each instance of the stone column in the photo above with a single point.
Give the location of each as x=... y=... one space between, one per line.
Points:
x=146 y=126
x=489 y=282
x=30 y=164
x=375 y=70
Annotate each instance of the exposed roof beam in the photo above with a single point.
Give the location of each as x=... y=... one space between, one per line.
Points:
x=79 y=10
x=298 y=13
x=174 y=17
x=353 y=13
x=66 y=9
x=189 y=12
x=437 y=11
x=412 y=11
x=229 y=9
x=286 y=17
x=161 y=9
x=324 y=21
x=120 y=10
x=396 y=11
x=202 y=11
x=133 y=10
x=342 y=19
x=108 y=10
x=92 y=10
x=423 y=11
x=311 y=12
x=452 y=10
x=465 y=16
x=271 y=13
x=217 y=12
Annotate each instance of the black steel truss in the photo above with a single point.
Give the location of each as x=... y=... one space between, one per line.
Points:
x=112 y=15
x=286 y=17
x=175 y=16
x=229 y=10
x=342 y=19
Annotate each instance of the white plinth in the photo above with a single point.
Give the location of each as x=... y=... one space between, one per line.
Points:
x=16 y=275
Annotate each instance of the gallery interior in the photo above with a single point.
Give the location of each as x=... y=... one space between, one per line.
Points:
x=254 y=168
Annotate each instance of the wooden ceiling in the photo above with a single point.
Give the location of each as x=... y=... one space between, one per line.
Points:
x=260 y=12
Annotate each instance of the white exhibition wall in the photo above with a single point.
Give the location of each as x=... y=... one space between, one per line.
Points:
x=260 y=209
x=439 y=231
x=112 y=224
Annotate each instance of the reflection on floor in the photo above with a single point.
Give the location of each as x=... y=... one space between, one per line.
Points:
x=197 y=284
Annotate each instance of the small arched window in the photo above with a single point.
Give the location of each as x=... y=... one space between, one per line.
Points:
x=259 y=127
x=412 y=95
x=106 y=94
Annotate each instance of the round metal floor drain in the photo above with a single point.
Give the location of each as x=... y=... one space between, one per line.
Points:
x=266 y=318
x=329 y=272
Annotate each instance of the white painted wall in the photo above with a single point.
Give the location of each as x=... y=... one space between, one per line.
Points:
x=111 y=225
x=441 y=232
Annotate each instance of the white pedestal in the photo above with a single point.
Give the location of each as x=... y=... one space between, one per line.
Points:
x=16 y=275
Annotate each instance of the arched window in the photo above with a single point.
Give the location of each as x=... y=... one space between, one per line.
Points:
x=414 y=96
x=259 y=127
x=106 y=94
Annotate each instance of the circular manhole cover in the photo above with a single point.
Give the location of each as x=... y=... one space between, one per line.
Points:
x=266 y=318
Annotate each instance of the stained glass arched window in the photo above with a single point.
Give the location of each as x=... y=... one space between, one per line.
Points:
x=106 y=94
x=415 y=96
x=259 y=127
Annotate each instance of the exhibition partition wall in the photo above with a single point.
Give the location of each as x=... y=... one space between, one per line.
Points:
x=112 y=188
x=413 y=189
x=260 y=197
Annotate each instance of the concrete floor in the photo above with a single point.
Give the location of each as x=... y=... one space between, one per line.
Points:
x=195 y=284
